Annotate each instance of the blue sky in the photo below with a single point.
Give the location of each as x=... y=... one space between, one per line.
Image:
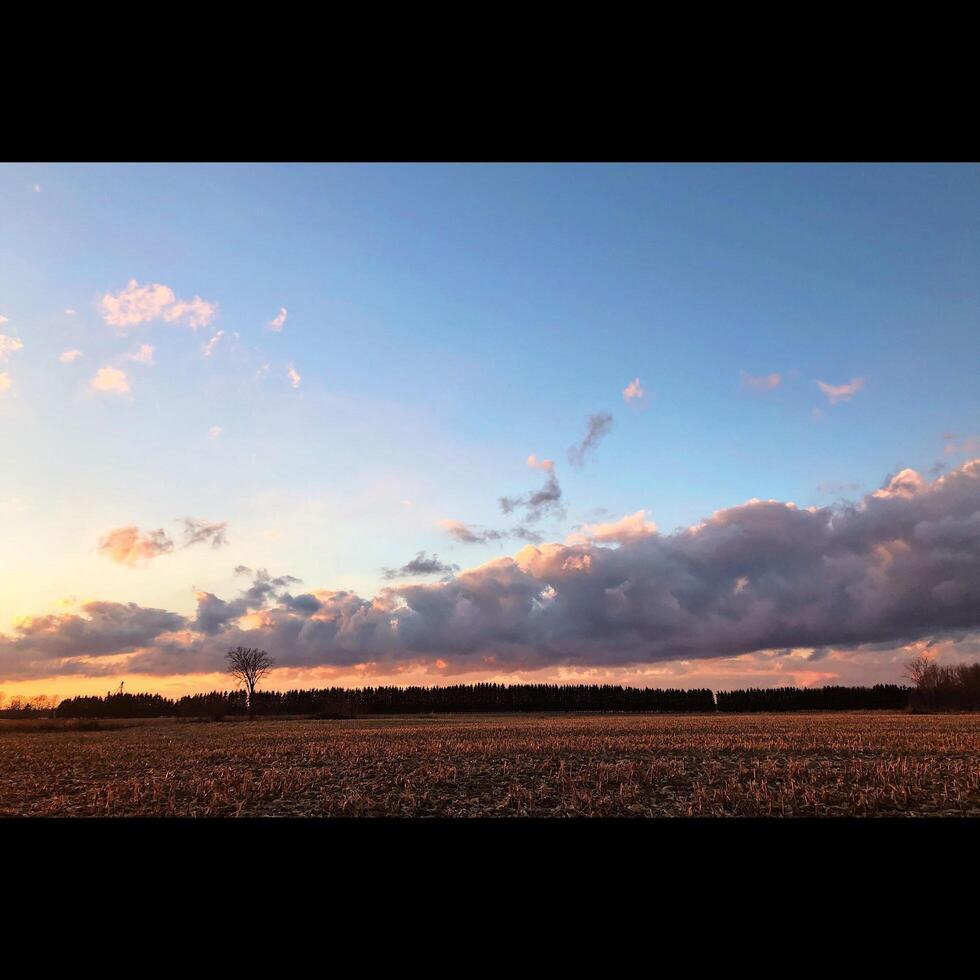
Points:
x=448 y=321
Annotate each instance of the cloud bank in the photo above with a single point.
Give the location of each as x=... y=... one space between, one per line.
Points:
x=901 y=565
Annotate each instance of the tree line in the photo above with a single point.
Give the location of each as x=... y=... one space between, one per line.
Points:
x=338 y=702
x=814 y=698
x=952 y=688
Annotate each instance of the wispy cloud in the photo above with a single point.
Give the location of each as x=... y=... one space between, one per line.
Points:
x=8 y=345
x=110 y=379
x=204 y=532
x=597 y=429
x=540 y=502
x=420 y=565
x=469 y=534
x=294 y=376
x=762 y=382
x=152 y=301
x=841 y=393
x=67 y=356
x=279 y=321
x=472 y=534
x=214 y=432
x=143 y=356
x=209 y=347
x=968 y=444
x=5 y=382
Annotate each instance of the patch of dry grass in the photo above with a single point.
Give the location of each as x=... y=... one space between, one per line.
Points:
x=530 y=765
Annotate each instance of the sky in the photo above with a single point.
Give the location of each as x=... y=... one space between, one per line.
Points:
x=664 y=425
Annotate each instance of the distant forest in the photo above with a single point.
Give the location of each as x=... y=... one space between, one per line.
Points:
x=339 y=702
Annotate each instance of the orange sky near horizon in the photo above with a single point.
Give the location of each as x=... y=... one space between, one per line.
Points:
x=770 y=669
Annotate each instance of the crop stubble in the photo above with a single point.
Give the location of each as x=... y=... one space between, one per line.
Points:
x=873 y=764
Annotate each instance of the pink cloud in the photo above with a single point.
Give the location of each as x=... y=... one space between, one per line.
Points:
x=130 y=546
x=279 y=321
x=764 y=382
x=110 y=379
x=629 y=528
x=143 y=356
x=8 y=345
x=634 y=391
x=841 y=393
x=140 y=304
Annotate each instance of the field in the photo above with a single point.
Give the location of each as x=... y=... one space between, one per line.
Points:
x=860 y=764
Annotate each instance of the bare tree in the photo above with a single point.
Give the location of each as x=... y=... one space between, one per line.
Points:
x=249 y=665
x=920 y=671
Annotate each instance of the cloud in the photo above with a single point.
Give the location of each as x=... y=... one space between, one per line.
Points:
x=841 y=393
x=294 y=376
x=4 y=319
x=105 y=629
x=835 y=487
x=214 y=432
x=110 y=379
x=143 y=356
x=197 y=312
x=969 y=445
x=5 y=382
x=200 y=532
x=67 y=356
x=209 y=347
x=140 y=304
x=894 y=569
x=279 y=321
x=598 y=427
x=541 y=502
x=133 y=547
x=765 y=382
x=634 y=392
x=8 y=345
x=70 y=312
x=470 y=534
x=420 y=565
x=629 y=528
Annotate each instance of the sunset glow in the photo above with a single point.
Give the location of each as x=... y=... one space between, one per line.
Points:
x=653 y=426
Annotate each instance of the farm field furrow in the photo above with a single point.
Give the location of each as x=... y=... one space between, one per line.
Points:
x=860 y=764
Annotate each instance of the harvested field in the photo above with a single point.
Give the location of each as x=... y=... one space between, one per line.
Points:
x=861 y=764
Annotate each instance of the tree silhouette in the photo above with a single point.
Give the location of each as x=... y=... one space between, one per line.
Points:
x=249 y=665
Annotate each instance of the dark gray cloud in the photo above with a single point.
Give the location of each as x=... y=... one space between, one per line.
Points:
x=201 y=532
x=214 y=614
x=420 y=565
x=471 y=534
x=902 y=564
x=598 y=428
x=536 y=505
